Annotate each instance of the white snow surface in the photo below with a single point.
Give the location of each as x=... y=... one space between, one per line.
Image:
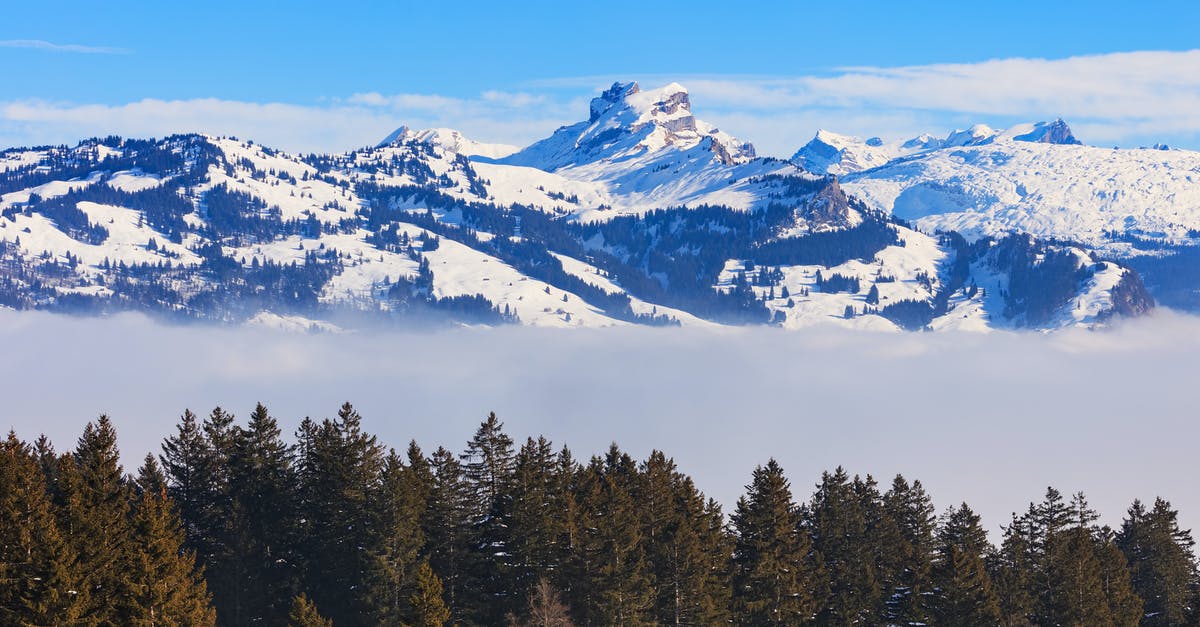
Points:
x=451 y=140
x=1062 y=191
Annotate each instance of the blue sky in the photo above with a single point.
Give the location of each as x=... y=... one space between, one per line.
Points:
x=325 y=76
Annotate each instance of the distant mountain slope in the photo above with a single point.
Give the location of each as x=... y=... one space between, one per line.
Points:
x=1091 y=195
x=639 y=215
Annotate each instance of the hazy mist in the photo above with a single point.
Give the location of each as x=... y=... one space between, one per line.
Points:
x=990 y=419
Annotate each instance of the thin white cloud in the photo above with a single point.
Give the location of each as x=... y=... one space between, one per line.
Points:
x=1119 y=97
x=359 y=120
x=1133 y=98
x=39 y=44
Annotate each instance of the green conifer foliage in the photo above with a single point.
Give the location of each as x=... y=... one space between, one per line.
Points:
x=162 y=584
x=962 y=590
x=303 y=613
x=776 y=578
x=39 y=579
x=97 y=519
x=429 y=609
x=838 y=523
x=1161 y=561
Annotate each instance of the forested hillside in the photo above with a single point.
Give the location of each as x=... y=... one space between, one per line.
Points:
x=234 y=524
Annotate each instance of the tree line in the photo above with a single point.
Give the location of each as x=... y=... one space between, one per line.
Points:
x=234 y=525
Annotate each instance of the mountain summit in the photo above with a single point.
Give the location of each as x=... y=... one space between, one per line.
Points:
x=627 y=122
x=832 y=153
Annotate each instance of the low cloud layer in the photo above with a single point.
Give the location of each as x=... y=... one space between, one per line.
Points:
x=1131 y=98
x=990 y=419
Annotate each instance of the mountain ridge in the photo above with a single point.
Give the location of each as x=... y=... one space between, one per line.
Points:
x=646 y=216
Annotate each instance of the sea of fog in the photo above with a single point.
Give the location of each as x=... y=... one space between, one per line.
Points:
x=990 y=419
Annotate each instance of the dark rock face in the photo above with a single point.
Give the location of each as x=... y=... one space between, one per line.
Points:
x=610 y=97
x=830 y=208
x=1056 y=132
x=1130 y=297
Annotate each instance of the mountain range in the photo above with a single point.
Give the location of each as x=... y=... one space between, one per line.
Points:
x=639 y=214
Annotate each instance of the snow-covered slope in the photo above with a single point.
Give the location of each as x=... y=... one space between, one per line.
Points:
x=451 y=140
x=430 y=225
x=1072 y=192
x=643 y=149
x=831 y=153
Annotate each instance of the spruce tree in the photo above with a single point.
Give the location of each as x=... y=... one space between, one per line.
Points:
x=339 y=473
x=39 y=579
x=303 y=613
x=1124 y=604
x=838 y=525
x=1071 y=582
x=776 y=578
x=162 y=585
x=447 y=529
x=428 y=607
x=1161 y=562
x=262 y=533
x=536 y=523
x=686 y=547
x=488 y=465
x=396 y=508
x=961 y=588
x=612 y=579
x=905 y=532
x=1013 y=568
x=96 y=518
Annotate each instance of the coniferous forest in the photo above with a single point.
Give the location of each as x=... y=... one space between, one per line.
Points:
x=233 y=524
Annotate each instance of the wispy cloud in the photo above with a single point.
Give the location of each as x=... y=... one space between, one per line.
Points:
x=39 y=44
x=1119 y=97
x=1133 y=98
x=337 y=125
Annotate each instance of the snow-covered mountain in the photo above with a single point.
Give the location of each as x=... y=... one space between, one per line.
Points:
x=642 y=150
x=639 y=215
x=831 y=153
x=1098 y=196
x=450 y=140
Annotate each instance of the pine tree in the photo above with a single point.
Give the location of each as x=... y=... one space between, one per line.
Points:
x=39 y=580
x=303 y=613
x=906 y=533
x=1072 y=585
x=338 y=474
x=162 y=585
x=962 y=590
x=446 y=525
x=488 y=465
x=262 y=533
x=536 y=524
x=612 y=585
x=837 y=522
x=1161 y=561
x=429 y=609
x=1012 y=568
x=776 y=578
x=686 y=547
x=396 y=507
x=96 y=519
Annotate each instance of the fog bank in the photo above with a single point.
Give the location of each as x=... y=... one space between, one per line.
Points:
x=990 y=419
